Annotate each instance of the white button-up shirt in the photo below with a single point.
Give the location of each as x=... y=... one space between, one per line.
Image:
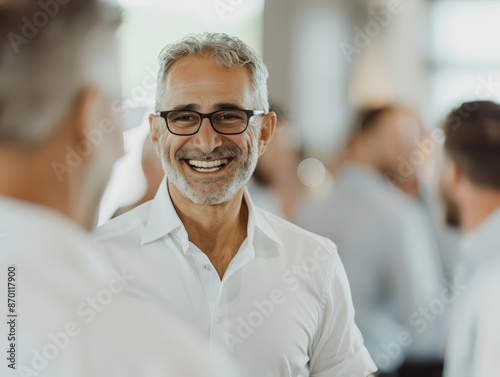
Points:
x=473 y=348
x=283 y=307
x=64 y=311
x=392 y=261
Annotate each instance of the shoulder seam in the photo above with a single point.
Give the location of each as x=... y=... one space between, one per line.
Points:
x=98 y=236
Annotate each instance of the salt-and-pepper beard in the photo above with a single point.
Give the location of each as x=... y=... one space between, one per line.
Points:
x=224 y=193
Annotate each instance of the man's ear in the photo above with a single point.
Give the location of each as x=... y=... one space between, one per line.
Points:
x=267 y=131
x=85 y=114
x=456 y=174
x=154 y=133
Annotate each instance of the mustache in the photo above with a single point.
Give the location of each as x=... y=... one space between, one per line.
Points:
x=217 y=154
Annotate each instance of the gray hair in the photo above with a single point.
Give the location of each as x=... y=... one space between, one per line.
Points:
x=226 y=51
x=49 y=52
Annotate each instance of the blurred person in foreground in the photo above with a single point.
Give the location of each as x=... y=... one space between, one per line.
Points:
x=274 y=296
x=471 y=189
x=64 y=306
x=275 y=186
x=153 y=174
x=387 y=246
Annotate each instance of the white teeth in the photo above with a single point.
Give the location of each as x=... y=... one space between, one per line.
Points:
x=205 y=170
x=208 y=164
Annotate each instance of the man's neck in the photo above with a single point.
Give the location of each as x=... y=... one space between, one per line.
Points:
x=478 y=207
x=360 y=158
x=217 y=230
x=32 y=179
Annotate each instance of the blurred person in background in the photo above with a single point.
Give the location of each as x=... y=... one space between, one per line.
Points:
x=417 y=164
x=471 y=191
x=67 y=313
x=153 y=174
x=201 y=247
x=387 y=244
x=275 y=185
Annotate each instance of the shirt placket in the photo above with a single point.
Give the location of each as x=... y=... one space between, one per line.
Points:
x=215 y=289
x=212 y=286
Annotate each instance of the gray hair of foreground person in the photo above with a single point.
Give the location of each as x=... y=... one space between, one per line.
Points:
x=50 y=51
x=226 y=51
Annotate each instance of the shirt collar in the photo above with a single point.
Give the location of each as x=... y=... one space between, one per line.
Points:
x=257 y=220
x=18 y=214
x=163 y=219
x=364 y=177
x=484 y=242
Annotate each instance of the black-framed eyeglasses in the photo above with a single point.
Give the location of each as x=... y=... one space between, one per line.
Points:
x=225 y=122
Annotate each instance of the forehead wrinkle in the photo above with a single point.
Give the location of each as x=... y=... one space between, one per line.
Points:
x=209 y=96
x=210 y=101
x=180 y=85
x=195 y=68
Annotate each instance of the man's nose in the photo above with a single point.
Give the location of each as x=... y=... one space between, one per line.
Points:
x=207 y=139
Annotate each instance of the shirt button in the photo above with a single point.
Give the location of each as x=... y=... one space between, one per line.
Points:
x=205 y=266
x=219 y=319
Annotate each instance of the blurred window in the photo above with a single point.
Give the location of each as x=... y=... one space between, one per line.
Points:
x=464 y=54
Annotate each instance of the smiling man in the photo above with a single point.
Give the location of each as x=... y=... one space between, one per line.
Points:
x=274 y=296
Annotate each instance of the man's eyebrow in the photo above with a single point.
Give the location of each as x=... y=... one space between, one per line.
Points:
x=216 y=107
x=226 y=106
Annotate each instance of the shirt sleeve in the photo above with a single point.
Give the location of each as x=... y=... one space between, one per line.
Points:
x=338 y=349
x=486 y=360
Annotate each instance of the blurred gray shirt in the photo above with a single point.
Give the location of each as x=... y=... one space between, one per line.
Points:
x=473 y=347
x=388 y=247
